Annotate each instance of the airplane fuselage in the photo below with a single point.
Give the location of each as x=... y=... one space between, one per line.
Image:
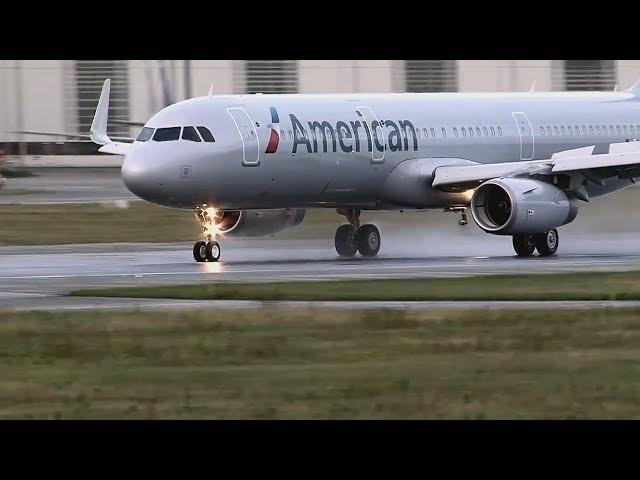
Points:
x=302 y=151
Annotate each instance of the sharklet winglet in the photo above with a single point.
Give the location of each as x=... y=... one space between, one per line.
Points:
x=99 y=125
x=635 y=89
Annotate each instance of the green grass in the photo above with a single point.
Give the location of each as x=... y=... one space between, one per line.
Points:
x=16 y=191
x=573 y=286
x=140 y=222
x=72 y=223
x=320 y=364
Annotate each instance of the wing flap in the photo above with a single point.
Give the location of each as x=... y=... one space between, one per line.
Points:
x=455 y=178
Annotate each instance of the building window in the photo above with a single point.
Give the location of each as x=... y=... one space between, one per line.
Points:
x=430 y=76
x=267 y=76
x=584 y=75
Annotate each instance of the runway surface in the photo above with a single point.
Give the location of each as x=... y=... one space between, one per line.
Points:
x=604 y=237
x=37 y=276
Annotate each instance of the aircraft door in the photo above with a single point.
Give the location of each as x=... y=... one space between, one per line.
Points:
x=377 y=132
x=247 y=130
x=526 y=135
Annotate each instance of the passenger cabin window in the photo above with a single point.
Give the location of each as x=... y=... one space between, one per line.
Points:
x=541 y=130
x=444 y=133
x=189 y=133
x=464 y=132
x=493 y=132
x=433 y=132
x=564 y=132
x=485 y=131
x=500 y=131
x=206 y=134
x=584 y=130
x=167 y=134
x=549 y=131
x=145 y=134
x=455 y=132
x=471 y=131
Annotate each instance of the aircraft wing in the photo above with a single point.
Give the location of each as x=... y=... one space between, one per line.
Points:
x=623 y=161
x=98 y=132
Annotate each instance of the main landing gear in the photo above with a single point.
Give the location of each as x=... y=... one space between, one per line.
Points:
x=354 y=238
x=209 y=250
x=546 y=243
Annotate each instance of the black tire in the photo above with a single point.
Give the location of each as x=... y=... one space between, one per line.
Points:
x=523 y=245
x=213 y=251
x=368 y=240
x=547 y=242
x=345 y=241
x=200 y=252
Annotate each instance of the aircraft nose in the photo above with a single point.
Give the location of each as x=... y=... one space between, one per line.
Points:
x=137 y=177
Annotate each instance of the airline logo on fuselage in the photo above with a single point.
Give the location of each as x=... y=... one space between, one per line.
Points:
x=348 y=136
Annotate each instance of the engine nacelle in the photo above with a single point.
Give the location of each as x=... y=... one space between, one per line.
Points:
x=257 y=223
x=509 y=206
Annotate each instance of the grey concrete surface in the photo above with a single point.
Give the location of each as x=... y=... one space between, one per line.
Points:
x=29 y=274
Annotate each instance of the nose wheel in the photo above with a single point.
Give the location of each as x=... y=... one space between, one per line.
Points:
x=206 y=251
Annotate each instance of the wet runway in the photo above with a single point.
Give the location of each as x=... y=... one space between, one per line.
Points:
x=604 y=237
x=37 y=276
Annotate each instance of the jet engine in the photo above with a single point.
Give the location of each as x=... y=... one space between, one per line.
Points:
x=257 y=223
x=509 y=206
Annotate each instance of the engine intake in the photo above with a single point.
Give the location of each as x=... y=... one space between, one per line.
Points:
x=521 y=205
x=258 y=223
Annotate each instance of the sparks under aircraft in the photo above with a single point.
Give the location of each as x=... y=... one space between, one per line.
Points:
x=249 y=165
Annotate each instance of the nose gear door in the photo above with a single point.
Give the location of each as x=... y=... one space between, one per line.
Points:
x=249 y=136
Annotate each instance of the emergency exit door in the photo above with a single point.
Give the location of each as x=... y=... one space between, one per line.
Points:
x=526 y=135
x=247 y=130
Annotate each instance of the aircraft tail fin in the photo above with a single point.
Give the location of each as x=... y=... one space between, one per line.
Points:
x=99 y=126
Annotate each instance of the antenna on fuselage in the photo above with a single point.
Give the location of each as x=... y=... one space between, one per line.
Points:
x=533 y=87
x=210 y=90
x=615 y=87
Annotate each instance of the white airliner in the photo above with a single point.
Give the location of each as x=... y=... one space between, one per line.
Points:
x=249 y=165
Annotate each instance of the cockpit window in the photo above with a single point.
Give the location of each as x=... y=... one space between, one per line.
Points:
x=206 y=134
x=145 y=134
x=189 y=133
x=167 y=134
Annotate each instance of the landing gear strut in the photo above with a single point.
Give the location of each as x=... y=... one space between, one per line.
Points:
x=209 y=250
x=354 y=238
x=546 y=243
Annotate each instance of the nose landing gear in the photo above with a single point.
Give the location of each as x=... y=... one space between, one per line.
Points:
x=353 y=238
x=209 y=250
